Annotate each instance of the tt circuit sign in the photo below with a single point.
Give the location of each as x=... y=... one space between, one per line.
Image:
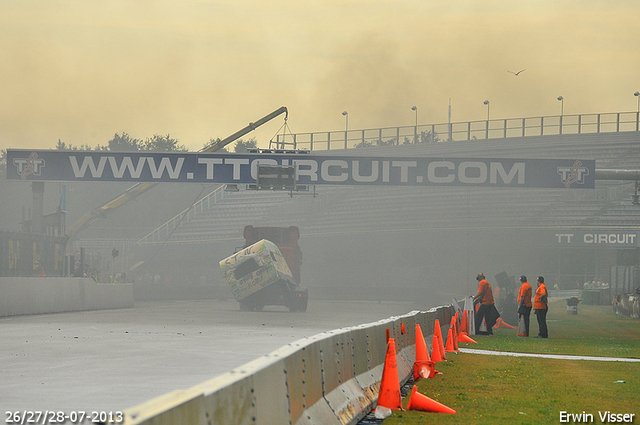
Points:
x=600 y=238
x=310 y=169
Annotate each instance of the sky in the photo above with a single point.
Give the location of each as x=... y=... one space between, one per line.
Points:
x=80 y=71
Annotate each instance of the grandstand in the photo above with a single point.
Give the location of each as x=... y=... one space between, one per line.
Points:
x=357 y=237
x=380 y=241
x=356 y=209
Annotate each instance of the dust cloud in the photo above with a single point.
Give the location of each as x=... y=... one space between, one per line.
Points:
x=82 y=71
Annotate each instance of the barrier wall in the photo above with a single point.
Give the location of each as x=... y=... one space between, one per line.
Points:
x=36 y=295
x=332 y=378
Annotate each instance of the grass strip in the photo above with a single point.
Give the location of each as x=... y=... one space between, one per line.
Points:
x=495 y=390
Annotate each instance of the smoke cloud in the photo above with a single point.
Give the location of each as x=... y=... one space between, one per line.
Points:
x=81 y=71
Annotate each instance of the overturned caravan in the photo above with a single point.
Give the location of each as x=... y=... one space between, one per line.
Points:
x=259 y=276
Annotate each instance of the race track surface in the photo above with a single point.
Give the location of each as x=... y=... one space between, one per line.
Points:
x=111 y=360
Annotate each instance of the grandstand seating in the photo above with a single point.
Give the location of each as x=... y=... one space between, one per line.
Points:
x=339 y=209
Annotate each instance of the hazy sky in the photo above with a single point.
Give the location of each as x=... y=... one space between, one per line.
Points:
x=82 y=70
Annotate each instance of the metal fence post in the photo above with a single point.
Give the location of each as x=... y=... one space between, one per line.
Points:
x=560 y=127
x=579 y=124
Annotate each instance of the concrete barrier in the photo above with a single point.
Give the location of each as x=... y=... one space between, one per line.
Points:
x=33 y=295
x=332 y=378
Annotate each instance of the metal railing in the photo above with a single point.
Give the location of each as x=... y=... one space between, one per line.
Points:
x=459 y=131
x=163 y=232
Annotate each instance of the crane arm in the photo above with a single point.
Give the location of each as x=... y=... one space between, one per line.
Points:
x=252 y=126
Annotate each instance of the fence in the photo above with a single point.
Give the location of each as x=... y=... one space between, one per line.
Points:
x=470 y=130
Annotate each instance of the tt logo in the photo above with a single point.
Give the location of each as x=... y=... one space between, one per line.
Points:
x=26 y=166
x=574 y=174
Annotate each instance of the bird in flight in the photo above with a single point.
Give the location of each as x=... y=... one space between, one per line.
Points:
x=516 y=73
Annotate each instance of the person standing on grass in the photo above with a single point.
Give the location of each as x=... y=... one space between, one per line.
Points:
x=487 y=309
x=524 y=303
x=540 y=305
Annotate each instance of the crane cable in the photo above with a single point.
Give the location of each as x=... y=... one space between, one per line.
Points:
x=284 y=127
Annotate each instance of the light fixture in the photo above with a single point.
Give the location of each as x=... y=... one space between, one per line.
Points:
x=561 y=99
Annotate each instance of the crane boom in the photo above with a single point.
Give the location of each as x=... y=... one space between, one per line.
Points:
x=139 y=188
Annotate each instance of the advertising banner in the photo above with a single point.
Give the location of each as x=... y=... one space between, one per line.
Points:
x=311 y=169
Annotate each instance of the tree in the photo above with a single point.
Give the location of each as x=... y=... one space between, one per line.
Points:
x=63 y=146
x=162 y=144
x=243 y=147
x=121 y=143
x=211 y=142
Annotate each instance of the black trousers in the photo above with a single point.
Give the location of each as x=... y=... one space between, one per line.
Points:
x=542 y=323
x=484 y=311
x=526 y=316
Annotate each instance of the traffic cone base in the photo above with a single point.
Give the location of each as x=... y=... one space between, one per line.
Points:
x=423 y=369
x=423 y=403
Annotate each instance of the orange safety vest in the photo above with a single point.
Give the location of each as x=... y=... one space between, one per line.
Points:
x=538 y=304
x=484 y=288
x=525 y=292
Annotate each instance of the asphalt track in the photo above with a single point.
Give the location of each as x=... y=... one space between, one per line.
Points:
x=110 y=360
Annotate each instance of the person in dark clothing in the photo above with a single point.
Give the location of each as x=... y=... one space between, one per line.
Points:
x=524 y=303
x=487 y=310
x=541 y=306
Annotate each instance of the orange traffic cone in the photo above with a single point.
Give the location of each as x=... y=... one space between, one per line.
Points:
x=421 y=402
x=522 y=329
x=450 y=348
x=456 y=332
x=422 y=352
x=436 y=356
x=423 y=366
x=389 y=397
x=464 y=326
x=465 y=338
x=438 y=341
x=402 y=328
x=502 y=324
